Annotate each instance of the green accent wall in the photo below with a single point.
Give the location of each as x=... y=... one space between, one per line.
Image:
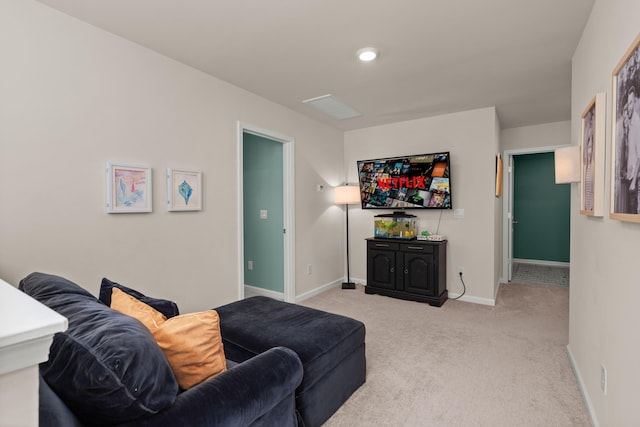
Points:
x=542 y=209
x=263 y=190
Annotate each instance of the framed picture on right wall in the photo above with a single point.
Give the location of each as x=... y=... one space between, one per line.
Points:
x=625 y=136
x=592 y=163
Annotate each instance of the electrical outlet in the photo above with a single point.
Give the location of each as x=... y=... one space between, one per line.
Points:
x=309 y=269
x=603 y=379
x=249 y=265
x=460 y=269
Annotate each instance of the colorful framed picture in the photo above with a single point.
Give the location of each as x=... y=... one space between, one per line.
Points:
x=592 y=158
x=129 y=188
x=625 y=137
x=184 y=190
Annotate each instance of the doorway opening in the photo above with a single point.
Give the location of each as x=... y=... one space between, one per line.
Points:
x=266 y=235
x=534 y=260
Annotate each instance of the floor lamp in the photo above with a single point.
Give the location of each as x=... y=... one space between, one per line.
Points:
x=347 y=195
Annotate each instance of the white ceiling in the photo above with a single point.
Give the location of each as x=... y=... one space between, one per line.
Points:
x=436 y=56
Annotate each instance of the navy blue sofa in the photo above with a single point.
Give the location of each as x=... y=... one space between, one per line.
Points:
x=107 y=370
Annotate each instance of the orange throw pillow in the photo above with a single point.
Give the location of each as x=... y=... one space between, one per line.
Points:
x=193 y=346
x=191 y=342
x=125 y=303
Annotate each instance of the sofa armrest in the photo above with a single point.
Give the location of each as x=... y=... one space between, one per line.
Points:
x=259 y=391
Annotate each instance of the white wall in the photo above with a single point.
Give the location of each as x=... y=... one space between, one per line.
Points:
x=472 y=139
x=605 y=290
x=544 y=135
x=73 y=97
x=497 y=220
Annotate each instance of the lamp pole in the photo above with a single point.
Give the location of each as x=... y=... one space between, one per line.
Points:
x=348 y=284
x=346 y=195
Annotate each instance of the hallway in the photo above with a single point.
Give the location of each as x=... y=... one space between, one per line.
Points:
x=537 y=274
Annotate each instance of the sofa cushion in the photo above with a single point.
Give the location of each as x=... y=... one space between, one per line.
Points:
x=191 y=342
x=126 y=304
x=166 y=307
x=106 y=366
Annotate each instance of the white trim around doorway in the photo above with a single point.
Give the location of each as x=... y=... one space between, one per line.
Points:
x=288 y=207
x=507 y=201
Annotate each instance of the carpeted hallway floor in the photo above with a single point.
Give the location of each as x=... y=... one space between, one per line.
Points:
x=462 y=364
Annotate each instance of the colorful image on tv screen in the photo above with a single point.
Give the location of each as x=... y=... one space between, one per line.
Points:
x=420 y=181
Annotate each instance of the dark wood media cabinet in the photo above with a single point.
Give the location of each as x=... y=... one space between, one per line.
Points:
x=413 y=270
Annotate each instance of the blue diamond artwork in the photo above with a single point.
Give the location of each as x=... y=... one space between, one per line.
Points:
x=185 y=191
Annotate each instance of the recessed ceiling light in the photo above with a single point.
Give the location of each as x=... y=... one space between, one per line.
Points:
x=367 y=54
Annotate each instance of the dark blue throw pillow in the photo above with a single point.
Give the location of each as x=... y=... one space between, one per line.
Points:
x=106 y=366
x=166 y=307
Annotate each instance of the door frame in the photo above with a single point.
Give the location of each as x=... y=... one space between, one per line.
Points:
x=507 y=204
x=288 y=193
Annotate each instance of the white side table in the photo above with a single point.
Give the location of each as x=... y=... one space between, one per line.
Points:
x=26 y=332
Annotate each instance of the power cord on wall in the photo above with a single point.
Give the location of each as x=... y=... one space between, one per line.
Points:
x=439 y=219
x=464 y=287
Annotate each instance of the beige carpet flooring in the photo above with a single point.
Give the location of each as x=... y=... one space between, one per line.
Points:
x=462 y=364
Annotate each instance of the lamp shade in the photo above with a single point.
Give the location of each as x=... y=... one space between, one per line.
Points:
x=346 y=195
x=567 y=161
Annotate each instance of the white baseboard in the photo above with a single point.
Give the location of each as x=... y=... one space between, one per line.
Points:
x=252 y=291
x=475 y=300
x=338 y=282
x=466 y=298
x=583 y=389
x=542 y=262
x=320 y=290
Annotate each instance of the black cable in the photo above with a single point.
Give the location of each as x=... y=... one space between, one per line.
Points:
x=464 y=287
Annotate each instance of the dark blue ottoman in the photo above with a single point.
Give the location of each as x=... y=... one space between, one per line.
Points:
x=331 y=348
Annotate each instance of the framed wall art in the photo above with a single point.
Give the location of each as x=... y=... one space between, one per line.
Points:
x=498 y=175
x=128 y=188
x=625 y=136
x=184 y=190
x=592 y=158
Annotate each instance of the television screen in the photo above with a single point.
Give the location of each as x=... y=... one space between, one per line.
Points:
x=411 y=182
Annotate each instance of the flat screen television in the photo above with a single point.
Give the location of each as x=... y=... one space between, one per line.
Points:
x=420 y=181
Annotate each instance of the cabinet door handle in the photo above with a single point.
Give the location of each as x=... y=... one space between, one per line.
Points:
x=406 y=271
x=393 y=269
x=381 y=245
x=415 y=247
